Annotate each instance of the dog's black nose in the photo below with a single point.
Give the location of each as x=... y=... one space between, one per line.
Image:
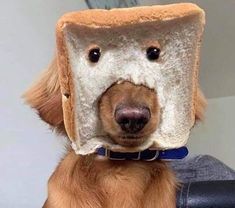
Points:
x=132 y=119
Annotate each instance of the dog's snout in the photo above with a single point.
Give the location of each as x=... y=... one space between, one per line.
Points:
x=132 y=119
x=129 y=113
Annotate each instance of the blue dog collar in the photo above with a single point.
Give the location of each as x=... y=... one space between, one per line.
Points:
x=146 y=155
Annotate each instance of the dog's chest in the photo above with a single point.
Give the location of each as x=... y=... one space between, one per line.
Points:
x=124 y=183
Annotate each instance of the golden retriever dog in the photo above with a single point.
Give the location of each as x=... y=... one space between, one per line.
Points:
x=129 y=114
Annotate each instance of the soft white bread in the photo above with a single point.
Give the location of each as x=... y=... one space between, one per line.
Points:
x=123 y=36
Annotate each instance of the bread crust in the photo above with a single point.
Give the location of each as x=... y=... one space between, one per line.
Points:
x=99 y=18
x=121 y=17
x=66 y=86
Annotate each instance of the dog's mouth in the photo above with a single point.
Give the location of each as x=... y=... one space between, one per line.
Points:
x=130 y=140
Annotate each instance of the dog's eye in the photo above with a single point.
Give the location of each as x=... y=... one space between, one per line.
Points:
x=153 y=53
x=94 y=55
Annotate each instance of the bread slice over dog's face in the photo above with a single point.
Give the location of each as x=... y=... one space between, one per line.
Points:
x=123 y=35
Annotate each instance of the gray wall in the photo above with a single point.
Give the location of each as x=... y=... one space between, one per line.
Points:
x=29 y=151
x=215 y=136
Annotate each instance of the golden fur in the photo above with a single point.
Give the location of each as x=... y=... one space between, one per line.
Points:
x=91 y=182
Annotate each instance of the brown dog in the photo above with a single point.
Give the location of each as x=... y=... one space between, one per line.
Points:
x=95 y=182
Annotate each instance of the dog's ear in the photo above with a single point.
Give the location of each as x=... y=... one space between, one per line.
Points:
x=45 y=97
x=200 y=105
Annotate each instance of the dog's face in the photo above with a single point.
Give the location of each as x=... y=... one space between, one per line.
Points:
x=120 y=99
x=156 y=100
x=129 y=113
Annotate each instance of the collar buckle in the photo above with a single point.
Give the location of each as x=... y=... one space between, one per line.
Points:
x=111 y=155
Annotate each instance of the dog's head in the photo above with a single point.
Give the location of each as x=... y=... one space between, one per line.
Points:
x=131 y=82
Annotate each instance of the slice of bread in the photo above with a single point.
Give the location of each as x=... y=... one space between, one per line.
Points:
x=123 y=36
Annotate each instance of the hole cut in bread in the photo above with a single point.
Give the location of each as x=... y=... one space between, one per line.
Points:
x=123 y=35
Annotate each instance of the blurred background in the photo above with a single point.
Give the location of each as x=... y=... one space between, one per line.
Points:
x=29 y=151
